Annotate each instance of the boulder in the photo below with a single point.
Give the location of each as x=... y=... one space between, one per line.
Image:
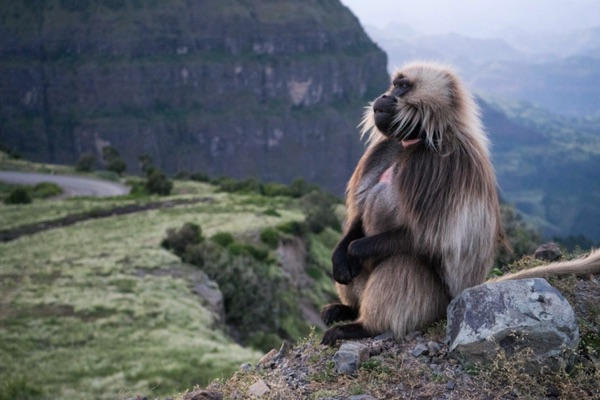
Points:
x=548 y=252
x=528 y=316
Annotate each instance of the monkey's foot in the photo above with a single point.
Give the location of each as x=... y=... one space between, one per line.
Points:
x=341 y=332
x=332 y=313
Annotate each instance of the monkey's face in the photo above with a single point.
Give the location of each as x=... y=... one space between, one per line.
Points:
x=420 y=101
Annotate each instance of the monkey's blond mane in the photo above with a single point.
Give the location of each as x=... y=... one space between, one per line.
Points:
x=439 y=103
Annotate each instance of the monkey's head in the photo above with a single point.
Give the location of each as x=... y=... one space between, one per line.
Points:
x=425 y=101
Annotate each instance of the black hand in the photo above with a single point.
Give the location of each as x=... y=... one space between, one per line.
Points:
x=341 y=270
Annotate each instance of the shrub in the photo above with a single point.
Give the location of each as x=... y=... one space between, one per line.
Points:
x=295 y=228
x=112 y=160
x=223 y=239
x=178 y=240
x=250 y=185
x=116 y=165
x=271 y=213
x=319 y=210
x=239 y=249
x=146 y=163
x=270 y=236
x=86 y=162
x=200 y=177
x=44 y=190
x=276 y=189
x=158 y=183
x=18 y=195
x=299 y=187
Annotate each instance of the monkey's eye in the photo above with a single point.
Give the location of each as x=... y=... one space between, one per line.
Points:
x=401 y=83
x=401 y=86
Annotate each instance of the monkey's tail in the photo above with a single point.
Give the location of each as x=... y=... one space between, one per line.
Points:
x=580 y=266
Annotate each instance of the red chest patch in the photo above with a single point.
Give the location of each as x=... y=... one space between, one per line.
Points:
x=386 y=177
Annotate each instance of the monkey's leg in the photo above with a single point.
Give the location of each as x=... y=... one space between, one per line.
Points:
x=332 y=313
x=343 y=270
x=402 y=295
x=349 y=331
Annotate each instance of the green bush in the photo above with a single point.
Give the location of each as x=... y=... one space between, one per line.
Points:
x=318 y=207
x=299 y=187
x=295 y=228
x=270 y=236
x=43 y=190
x=254 y=292
x=86 y=162
x=18 y=389
x=18 y=195
x=250 y=185
x=223 y=239
x=271 y=212
x=158 y=183
x=112 y=160
x=178 y=240
x=276 y=189
x=116 y=165
x=239 y=249
x=200 y=177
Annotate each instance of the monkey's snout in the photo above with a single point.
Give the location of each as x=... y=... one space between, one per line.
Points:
x=384 y=109
x=386 y=104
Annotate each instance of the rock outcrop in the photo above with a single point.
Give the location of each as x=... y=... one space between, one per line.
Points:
x=240 y=88
x=525 y=316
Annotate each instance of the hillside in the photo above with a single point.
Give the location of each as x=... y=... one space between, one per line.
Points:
x=107 y=299
x=547 y=166
x=238 y=88
x=97 y=308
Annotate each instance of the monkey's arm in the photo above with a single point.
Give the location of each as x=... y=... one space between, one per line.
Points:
x=344 y=270
x=400 y=240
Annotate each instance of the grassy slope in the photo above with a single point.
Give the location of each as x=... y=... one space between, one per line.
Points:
x=78 y=320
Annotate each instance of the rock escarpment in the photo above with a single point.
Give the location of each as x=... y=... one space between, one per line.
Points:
x=241 y=88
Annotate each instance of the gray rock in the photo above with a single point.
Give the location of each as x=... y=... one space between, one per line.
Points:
x=350 y=356
x=259 y=388
x=548 y=252
x=420 y=350
x=362 y=397
x=525 y=316
x=433 y=348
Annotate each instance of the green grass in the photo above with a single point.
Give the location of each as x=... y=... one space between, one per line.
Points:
x=82 y=315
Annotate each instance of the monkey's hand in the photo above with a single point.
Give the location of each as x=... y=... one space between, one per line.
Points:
x=357 y=255
x=343 y=270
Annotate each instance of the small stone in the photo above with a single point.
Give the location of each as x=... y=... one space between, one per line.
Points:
x=548 y=252
x=362 y=397
x=385 y=336
x=376 y=348
x=419 y=350
x=450 y=385
x=203 y=395
x=433 y=347
x=349 y=356
x=552 y=391
x=258 y=389
x=267 y=358
x=246 y=367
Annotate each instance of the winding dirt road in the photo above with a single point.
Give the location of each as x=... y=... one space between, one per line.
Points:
x=71 y=185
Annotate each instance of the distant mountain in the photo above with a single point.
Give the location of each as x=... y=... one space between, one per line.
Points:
x=244 y=88
x=547 y=166
x=559 y=73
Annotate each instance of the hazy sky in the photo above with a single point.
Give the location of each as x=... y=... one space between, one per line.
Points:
x=479 y=18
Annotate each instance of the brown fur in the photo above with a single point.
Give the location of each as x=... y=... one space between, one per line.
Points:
x=415 y=240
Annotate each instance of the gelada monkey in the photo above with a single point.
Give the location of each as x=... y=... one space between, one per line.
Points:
x=423 y=218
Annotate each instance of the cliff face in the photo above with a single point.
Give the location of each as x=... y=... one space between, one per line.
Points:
x=246 y=88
